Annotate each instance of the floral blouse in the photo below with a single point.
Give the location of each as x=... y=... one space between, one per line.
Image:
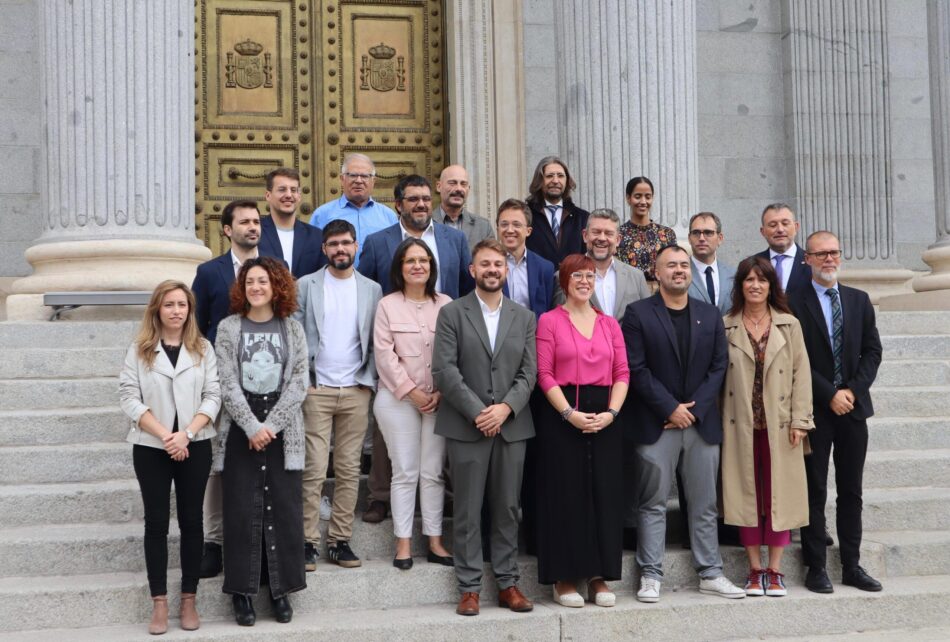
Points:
x=758 y=405
x=638 y=245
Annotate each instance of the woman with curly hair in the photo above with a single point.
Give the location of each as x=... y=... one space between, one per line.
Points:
x=262 y=357
x=169 y=389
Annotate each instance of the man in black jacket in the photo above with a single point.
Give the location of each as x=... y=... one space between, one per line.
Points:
x=557 y=223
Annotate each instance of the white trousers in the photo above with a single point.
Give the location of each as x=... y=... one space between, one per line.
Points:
x=417 y=455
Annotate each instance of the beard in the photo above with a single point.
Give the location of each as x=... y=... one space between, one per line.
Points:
x=417 y=225
x=342 y=262
x=482 y=282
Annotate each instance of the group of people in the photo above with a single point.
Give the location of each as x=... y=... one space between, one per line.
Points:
x=535 y=377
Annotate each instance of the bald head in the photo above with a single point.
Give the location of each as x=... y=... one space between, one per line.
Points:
x=453 y=189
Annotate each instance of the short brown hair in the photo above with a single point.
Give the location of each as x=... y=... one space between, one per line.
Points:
x=282 y=283
x=488 y=244
x=286 y=172
x=514 y=204
x=573 y=263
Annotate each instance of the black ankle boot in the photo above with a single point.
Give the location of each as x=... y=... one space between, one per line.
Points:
x=243 y=610
x=281 y=608
x=211 y=563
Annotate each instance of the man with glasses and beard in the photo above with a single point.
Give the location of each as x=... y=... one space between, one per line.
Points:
x=337 y=311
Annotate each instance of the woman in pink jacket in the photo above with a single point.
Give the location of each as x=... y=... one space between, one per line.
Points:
x=407 y=399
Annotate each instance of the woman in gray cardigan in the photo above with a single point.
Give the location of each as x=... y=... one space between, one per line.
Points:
x=262 y=360
x=169 y=389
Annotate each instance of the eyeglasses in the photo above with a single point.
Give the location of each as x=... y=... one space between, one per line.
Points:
x=358 y=177
x=335 y=244
x=514 y=225
x=415 y=199
x=577 y=277
x=707 y=233
x=821 y=256
x=416 y=261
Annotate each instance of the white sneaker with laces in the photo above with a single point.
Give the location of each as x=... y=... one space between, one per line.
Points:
x=326 y=508
x=722 y=587
x=649 y=590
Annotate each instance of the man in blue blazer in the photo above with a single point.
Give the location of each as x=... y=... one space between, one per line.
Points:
x=530 y=280
x=284 y=235
x=414 y=205
x=779 y=229
x=712 y=279
x=676 y=349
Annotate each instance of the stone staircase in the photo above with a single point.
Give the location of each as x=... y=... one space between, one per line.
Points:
x=71 y=562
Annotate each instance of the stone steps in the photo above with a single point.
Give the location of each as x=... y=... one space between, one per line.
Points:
x=69 y=334
x=908 y=433
x=116 y=500
x=65 y=464
x=912 y=323
x=47 y=394
x=931 y=346
x=913 y=372
x=896 y=509
x=910 y=603
x=919 y=401
x=58 y=426
x=60 y=363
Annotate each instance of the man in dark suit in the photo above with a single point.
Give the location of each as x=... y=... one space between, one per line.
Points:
x=413 y=195
x=530 y=279
x=844 y=350
x=282 y=233
x=712 y=279
x=676 y=348
x=484 y=363
x=779 y=229
x=557 y=222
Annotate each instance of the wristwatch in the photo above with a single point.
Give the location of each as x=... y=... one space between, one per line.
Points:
x=190 y=435
x=613 y=412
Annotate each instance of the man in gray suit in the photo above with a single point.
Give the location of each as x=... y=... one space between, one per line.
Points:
x=484 y=363
x=712 y=279
x=453 y=188
x=337 y=310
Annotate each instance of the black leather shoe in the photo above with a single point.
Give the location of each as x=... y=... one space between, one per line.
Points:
x=444 y=560
x=210 y=560
x=244 y=613
x=403 y=565
x=282 y=610
x=859 y=579
x=828 y=540
x=817 y=580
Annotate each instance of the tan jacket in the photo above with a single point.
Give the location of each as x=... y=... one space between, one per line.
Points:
x=786 y=391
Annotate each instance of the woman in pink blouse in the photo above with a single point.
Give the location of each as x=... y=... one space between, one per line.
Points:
x=582 y=370
x=407 y=399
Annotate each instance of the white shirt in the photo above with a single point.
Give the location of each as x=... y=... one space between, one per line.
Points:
x=606 y=288
x=236 y=264
x=428 y=237
x=286 y=245
x=518 y=279
x=786 y=264
x=701 y=268
x=340 y=353
x=491 y=319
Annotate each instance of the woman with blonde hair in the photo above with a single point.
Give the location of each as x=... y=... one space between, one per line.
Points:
x=169 y=389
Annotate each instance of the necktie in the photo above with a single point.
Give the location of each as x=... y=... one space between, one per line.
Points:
x=710 y=288
x=779 y=272
x=837 y=332
x=555 y=219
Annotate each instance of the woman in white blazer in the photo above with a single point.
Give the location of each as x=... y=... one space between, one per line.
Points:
x=169 y=389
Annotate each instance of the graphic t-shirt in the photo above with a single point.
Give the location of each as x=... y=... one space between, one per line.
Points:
x=262 y=356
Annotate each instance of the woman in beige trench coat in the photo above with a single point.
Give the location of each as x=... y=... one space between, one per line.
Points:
x=766 y=416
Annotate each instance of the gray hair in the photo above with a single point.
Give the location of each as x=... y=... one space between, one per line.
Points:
x=603 y=213
x=777 y=206
x=707 y=215
x=349 y=158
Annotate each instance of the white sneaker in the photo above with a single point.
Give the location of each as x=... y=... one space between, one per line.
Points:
x=326 y=508
x=722 y=587
x=649 y=590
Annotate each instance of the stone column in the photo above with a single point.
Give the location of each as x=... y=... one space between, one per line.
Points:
x=626 y=88
x=839 y=134
x=119 y=150
x=487 y=99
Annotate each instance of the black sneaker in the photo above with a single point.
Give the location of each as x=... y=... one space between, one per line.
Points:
x=211 y=563
x=310 y=557
x=341 y=554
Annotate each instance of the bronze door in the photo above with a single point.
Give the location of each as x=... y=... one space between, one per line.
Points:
x=301 y=84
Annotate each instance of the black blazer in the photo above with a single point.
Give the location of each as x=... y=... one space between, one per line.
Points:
x=308 y=256
x=860 y=357
x=542 y=240
x=656 y=369
x=801 y=273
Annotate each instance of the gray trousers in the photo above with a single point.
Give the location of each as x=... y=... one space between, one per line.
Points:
x=657 y=469
x=489 y=467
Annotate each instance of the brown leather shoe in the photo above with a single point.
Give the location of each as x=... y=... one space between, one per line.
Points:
x=514 y=599
x=376 y=512
x=159 y=623
x=188 y=615
x=468 y=605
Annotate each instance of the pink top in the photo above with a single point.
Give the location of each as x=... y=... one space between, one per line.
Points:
x=567 y=357
x=403 y=334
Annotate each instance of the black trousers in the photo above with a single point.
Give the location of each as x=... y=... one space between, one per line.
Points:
x=156 y=471
x=846 y=439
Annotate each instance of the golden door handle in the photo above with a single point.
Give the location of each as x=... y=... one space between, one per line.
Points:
x=234 y=172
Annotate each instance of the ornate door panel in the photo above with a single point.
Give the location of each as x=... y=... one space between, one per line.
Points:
x=302 y=83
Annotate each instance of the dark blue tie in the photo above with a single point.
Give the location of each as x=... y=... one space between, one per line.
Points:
x=555 y=219
x=837 y=333
x=709 y=285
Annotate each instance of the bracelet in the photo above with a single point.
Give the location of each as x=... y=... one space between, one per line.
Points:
x=566 y=413
x=613 y=412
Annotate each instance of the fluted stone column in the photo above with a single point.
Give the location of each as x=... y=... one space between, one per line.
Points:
x=119 y=162
x=626 y=89
x=840 y=136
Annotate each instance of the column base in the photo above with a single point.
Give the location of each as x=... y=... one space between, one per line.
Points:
x=89 y=266
x=932 y=290
x=878 y=283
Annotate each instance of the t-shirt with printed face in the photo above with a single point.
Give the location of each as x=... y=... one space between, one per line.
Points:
x=262 y=356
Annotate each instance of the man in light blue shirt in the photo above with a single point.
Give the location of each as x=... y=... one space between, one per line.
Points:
x=358 y=177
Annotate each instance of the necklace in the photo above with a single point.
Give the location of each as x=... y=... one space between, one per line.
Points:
x=753 y=321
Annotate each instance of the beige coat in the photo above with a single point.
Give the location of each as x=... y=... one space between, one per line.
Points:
x=786 y=392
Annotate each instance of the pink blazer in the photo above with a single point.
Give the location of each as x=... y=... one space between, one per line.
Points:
x=403 y=334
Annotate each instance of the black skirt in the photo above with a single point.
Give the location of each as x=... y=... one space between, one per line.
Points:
x=263 y=516
x=578 y=493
